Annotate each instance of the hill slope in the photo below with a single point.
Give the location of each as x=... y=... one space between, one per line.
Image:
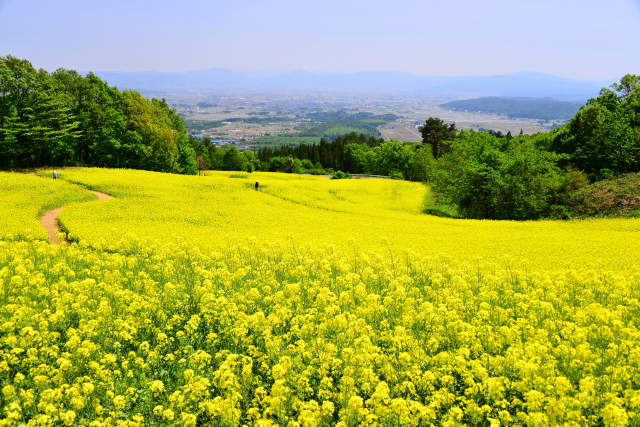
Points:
x=530 y=108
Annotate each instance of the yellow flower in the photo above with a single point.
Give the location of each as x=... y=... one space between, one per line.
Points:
x=119 y=402
x=168 y=414
x=68 y=417
x=156 y=387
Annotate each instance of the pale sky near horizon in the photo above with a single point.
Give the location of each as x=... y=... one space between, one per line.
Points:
x=580 y=39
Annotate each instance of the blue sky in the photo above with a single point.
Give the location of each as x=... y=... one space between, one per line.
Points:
x=581 y=39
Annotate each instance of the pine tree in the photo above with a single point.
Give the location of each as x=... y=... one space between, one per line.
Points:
x=49 y=119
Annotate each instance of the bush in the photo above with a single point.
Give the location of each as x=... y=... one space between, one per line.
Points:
x=317 y=172
x=395 y=175
x=341 y=175
x=561 y=212
x=287 y=164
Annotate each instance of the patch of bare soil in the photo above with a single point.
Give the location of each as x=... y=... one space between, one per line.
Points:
x=50 y=220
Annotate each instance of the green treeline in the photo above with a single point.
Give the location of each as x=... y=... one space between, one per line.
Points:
x=529 y=108
x=348 y=153
x=66 y=119
x=351 y=153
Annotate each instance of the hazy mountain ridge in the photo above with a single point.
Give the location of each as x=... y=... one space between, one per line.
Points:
x=525 y=83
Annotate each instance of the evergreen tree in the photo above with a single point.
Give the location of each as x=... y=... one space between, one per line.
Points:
x=438 y=135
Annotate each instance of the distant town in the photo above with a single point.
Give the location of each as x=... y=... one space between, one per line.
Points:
x=254 y=119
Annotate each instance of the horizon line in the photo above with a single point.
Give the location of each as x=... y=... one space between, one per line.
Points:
x=280 y=72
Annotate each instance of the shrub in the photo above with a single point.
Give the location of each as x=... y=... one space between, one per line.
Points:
x=341 y=175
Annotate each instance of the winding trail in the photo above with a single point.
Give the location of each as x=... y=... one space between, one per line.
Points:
x=50 y=219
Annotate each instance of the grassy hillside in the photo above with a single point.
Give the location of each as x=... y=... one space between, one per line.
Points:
x=617 y=197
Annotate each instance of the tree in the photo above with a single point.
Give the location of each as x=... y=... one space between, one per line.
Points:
x=437 y=134
x=98 y=108
x=394 y=156
x=423 y=165
x=19 y=80
x=288 y=164
x=629 y=86
x=202 y=164
x=234 y=161
x=251 y=160
x=186 y=159
x=297 y=167
x=48 y=118
x=150 y=141
x=307 y=165
x=601 y=138
x=275 y=164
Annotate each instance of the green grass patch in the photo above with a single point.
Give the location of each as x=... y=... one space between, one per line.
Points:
x=431 y=207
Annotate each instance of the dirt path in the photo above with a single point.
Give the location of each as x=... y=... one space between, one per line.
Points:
x=50 y=220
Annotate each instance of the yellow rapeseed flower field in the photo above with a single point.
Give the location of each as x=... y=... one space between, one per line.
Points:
x=23 y=198
x=208 y=210
x=274 y=334
x=187 y=302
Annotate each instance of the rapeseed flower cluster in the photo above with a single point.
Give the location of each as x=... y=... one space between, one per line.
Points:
x=266 y=334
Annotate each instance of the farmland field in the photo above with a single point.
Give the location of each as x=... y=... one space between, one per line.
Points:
x=198 y=301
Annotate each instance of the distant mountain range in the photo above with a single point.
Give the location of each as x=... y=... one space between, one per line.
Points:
x=524 y=83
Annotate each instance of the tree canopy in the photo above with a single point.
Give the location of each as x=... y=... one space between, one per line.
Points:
x=603 y=138
x=66 y=119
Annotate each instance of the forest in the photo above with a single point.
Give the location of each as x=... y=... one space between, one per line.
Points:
x=528 y=108
x=66 y=119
